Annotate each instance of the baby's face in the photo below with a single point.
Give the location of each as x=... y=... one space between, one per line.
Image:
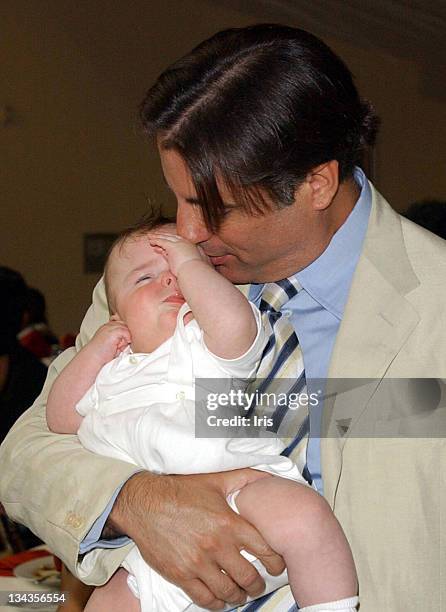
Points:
x=145 y=292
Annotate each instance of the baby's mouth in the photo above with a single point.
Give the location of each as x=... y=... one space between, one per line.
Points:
x=176 y=298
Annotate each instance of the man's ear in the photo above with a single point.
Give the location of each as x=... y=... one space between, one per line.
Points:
x=323 y=183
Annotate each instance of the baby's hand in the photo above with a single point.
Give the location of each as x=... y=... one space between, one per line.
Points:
x=176 y=250
x=111 y=339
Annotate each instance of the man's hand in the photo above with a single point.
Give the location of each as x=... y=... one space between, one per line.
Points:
x=185 y=530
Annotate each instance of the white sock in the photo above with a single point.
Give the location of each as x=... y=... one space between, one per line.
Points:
x=342 y=605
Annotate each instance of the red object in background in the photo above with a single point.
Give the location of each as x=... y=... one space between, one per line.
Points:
x=8 y=564
x=67 y=340
x=35 y=342
x=40 y=342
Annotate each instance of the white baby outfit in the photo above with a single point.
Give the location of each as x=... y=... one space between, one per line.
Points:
x=141 y=410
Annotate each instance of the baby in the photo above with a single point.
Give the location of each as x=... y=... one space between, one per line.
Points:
x=129 y=394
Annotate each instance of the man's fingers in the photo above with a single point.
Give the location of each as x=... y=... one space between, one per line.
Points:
x=244 y=574
x=223 y=586
x=201 y=595
x=257 y=546
x=272 y=562
x=205 y=560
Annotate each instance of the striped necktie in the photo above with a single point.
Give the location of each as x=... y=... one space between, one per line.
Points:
x=281 y=371
x=283 y=348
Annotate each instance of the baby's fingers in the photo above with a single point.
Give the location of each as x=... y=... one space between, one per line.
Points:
x=164 y=236
x=163 y=240
x=122 y=345
x=123 y=340
x=115 y=319
x=118 y=329
x=203 y=255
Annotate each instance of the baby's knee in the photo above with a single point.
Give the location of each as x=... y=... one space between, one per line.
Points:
x=301 y=512
x=284 y=511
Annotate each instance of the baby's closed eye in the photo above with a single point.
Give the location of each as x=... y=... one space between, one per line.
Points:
x=142 y=278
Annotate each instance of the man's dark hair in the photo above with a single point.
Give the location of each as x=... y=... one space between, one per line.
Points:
x=430 y=214
x=256 y=109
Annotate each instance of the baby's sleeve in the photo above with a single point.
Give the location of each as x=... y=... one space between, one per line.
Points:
x=246 y=365
x=88 y=402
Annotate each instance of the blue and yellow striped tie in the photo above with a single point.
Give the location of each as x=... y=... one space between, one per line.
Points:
x=281 y=371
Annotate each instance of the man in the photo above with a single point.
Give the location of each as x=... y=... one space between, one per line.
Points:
x=259 y=130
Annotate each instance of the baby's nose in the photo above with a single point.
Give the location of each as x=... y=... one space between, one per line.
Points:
x=169 y=279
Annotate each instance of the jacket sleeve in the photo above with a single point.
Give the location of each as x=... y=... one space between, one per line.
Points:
x=53 y=485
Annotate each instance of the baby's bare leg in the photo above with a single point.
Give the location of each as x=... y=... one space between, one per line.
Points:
x=114 y=595
x=299 y=524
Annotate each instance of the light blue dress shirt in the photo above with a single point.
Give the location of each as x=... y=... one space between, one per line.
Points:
x=317 y=309
x=317 y=312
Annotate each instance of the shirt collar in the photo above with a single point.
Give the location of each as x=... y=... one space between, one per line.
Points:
x=328 y=278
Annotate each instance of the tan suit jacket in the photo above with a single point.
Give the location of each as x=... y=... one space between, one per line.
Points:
x=388 y=492
x=383 y=460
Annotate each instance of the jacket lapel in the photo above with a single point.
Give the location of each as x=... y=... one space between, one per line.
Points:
x=377 y=322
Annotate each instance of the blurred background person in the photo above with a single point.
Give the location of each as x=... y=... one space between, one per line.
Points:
x=36 y=335
x=21 y=379
x=21 y=373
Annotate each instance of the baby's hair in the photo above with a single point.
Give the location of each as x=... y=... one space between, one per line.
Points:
x=146 y=223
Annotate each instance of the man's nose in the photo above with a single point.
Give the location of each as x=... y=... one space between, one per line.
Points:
x=190 y=223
